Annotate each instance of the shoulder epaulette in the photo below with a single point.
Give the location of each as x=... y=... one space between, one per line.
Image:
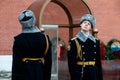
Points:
x=74 y=38
x=79 y=54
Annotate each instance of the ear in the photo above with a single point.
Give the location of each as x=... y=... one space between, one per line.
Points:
x=80 y=24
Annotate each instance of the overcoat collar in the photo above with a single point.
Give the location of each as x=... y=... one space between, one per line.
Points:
x=83 y=38
x=33 y=29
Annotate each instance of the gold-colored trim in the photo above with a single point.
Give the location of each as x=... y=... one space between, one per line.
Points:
x=32 y=59
x=47 y=45
x=86 y=63
x=79 y=52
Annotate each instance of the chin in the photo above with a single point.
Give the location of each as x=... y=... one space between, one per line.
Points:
x=85 y=30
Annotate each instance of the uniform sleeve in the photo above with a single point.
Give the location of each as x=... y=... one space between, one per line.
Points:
x=48 y=62
x=71 y=54
x=16 y=63
x=98 y=63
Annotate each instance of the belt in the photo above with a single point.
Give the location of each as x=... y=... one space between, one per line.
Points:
x=32 y=59
x=86 y=63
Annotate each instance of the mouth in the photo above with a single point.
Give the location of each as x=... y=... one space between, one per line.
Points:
x=85 y=27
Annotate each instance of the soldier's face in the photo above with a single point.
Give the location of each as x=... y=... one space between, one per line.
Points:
x=85 y=26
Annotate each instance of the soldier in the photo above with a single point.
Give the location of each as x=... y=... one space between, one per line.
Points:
x=32 y=56
x=84 y=52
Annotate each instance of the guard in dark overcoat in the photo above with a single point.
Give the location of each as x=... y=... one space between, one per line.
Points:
x=84 y=60
x=32 y=55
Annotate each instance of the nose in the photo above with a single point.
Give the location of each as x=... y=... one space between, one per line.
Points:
x=86 y=24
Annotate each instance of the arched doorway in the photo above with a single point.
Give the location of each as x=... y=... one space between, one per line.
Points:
x=65 y=14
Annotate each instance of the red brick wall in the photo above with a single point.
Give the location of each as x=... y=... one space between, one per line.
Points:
x=107 y=14
x=9 y=25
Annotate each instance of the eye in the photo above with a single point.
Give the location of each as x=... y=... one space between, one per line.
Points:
x=89 y=24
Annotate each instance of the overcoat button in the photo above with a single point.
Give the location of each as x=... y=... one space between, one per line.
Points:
x=82 y=46
x=94 y=52
x=94 y=45
x=83 y=52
